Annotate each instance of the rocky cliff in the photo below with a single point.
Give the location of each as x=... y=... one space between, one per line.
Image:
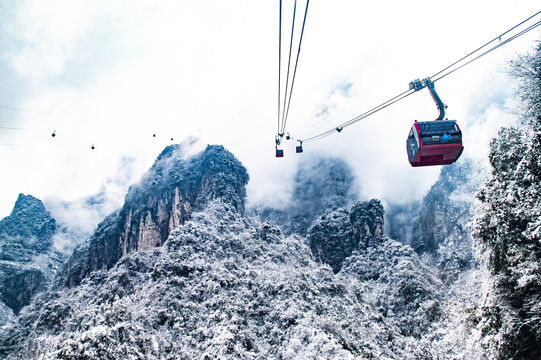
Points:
x=223 y=286
x=438 y=227
x=27 y=257
x=335 y=235
x=165 y=198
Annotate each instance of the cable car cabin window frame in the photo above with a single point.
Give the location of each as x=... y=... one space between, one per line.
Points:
x=436 y=142
x=437 y=126
x=412 y=144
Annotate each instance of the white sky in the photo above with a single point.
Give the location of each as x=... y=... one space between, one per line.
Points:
x=112 y=73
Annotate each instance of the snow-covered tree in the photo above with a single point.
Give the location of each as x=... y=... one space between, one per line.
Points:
x=508 y=228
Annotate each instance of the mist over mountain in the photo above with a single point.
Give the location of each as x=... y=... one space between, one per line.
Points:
x=438 y=227
x=182 y=270
x=224 y=284
x=320 y=184
x=77 y=219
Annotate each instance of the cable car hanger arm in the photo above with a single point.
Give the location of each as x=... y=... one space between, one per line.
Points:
x=421 y=84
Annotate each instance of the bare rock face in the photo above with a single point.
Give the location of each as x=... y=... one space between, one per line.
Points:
x=27 y=261
x=165 y=198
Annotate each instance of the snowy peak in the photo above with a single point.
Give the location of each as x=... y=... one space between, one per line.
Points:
x=30 y=224
x=167 y=195
x=214 y=173
x=181 y=270
x=27 y=260
x=218 y=288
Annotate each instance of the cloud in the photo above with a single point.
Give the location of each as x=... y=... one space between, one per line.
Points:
x=83 y=214
x=114 y=73
x=339 y=92
x=343 y=87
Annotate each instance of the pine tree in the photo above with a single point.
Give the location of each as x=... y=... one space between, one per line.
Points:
x=508 y=228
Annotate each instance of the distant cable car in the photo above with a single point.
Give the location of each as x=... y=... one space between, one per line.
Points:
x=92 y=147
x=288 y=137
x=437 y=142
x=434 y=143
x=279 y=153
x=154 y=135
x=54 y=133
x=298 y=148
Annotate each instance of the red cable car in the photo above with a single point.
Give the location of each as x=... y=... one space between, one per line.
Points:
x=436 y=142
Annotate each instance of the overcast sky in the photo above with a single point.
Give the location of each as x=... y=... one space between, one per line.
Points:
x=113 y=73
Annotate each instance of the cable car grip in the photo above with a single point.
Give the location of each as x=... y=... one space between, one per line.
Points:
x=421 y=84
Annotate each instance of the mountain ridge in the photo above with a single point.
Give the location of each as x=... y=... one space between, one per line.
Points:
x=225 y=284
x=165 y=197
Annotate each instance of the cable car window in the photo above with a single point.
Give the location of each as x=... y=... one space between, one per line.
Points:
x=437 y=127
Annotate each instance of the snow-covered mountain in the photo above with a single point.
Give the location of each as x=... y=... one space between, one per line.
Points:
x=438 y=227
x=320 y=184
x=183 y=270
x=165 y=198
x=28 y=259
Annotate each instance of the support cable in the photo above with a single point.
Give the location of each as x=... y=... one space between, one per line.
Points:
x=281 y=131
x=20 y=109
x=490 y=50
x=279 y=63
x=479 y=48
x=412 y=91
x=295 y=71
